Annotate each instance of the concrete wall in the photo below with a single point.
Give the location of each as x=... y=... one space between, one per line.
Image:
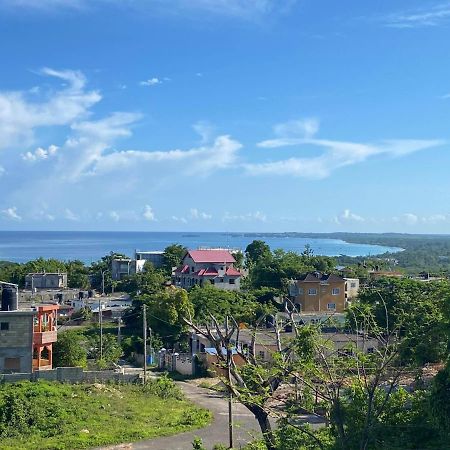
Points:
x=70 y=375
x=184 y=363
x=17 y=340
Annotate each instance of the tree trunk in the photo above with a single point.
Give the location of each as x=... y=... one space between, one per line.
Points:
x=263 y=419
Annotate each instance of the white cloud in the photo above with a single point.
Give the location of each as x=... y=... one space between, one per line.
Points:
x=70 y=215
x=336 y=154
x=205 y=130
x=151 y=82
x=40 y=153
x=19 y=116
x=432 y=15
x=348 y=216
x=196 y=214
x=2 y=171
x=114 y=216
x=179 y=219
x=148 y=214
x=304 y=128
x=11 y=213
x=252 y=216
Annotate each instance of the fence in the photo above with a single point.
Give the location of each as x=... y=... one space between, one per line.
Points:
x=177 y=362
x=70 y=375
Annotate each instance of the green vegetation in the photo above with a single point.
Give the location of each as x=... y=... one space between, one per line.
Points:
x=60 y=416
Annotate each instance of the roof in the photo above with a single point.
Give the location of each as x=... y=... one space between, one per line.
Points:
x=317 y=276
x=213 y=351
x=210 y=271
x=211 y=256
x=232 y=272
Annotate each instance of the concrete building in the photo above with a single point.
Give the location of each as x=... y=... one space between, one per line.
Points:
x=318 y=292
x=122 y=268
x=16 y=341
x=155 y=257
x=351 y=288
x=208 y=266
x=46 y=280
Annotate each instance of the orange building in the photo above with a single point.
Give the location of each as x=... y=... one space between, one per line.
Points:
x=45 y=334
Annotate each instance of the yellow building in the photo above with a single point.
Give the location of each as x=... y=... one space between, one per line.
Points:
x=317 y=292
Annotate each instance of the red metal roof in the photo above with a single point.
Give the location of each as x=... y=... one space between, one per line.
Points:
x=182 y=269
x=232 y=272
x=211 y=256
x=210 y=271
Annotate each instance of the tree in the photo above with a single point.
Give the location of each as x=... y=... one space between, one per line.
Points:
x=101 y=269
x=69 y=350
x=110 y=352
x=255 y=383
x=173 y=255
x=77 y=275
x=257 y=251
x=415 y=308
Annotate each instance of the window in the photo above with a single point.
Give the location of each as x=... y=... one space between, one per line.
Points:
x=261 y=354
x=300 y=291
x=353 y=284
x=231 y=281
x=331 y=306
x=220 y=280
x=335 y=291
x=370 y=350
x=192 y=269
x=4 y=326
x=312 y=291
x=12 y=364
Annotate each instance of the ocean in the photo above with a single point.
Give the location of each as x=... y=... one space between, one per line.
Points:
x=87 y=246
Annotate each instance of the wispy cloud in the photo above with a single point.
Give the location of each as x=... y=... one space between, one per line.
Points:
x=431 y=15
x=70 y=215
x=336 y=154
x=11 y=214
x=246 y=9
x=196 y=214
x=257 y=216
x=151 y=82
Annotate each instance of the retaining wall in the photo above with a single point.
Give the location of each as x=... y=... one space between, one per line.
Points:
x=70 y=375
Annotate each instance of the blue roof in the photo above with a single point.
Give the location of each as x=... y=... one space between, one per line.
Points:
x=213 y=351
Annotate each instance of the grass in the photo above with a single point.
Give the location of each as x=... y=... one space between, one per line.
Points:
x=47 y=415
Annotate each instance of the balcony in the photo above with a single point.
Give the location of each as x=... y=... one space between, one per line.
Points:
x=43 y=364
x=44 y=337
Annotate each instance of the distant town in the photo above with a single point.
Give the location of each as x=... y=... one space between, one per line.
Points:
x=302 y=324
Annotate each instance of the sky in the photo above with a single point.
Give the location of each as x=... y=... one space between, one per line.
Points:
x=225 y=115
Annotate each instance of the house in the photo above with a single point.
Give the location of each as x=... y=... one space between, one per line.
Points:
x=318 y=292
x=208 y=266
x=334 y=342
x=46 y=280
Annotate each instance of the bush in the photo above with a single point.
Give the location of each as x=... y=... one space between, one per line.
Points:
x=163 y=387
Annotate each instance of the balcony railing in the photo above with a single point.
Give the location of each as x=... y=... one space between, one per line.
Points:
x=45 y=337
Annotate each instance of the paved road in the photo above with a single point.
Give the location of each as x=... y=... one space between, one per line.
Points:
x=246 y=427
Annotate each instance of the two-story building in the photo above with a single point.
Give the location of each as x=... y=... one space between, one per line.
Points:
x=318 y=292
x=208 y=266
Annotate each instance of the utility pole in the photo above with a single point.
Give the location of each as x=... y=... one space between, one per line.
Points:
x=103 y=281
x=144 y=325
x=100 y=321
x=151 y=344
x=119 y=336
x=230 y=395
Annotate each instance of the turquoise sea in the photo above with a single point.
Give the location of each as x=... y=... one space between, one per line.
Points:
x=87 y=246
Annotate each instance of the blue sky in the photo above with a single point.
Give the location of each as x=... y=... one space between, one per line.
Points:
x=225 y=115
